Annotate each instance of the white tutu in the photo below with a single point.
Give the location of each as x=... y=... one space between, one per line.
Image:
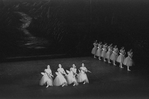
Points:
x=103 y=53
x=120 y=58
x=59 y=79
x=98 y=52
x=71 y=78
x=82 y=77
x=128 y=61
x=94 y=49
x=108 y=54
x=46 y=80
x=113 y=57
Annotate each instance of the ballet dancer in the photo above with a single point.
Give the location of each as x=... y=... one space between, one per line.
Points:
x=82 y=76
x=114 y=55
x=99 y=49
x=121 y=57
x=103 y=53
x=109 y=52
x=128 y=60
x=94 y=49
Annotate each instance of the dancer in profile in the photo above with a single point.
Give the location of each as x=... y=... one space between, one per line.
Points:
x=74 y=69
x=109 y=52
x=99 y=49
x=103 y=53
x=60 y=80
x=48 y=70
x=128 y=60
x=114 y=55
x=94 y=49
x=46 y=79
x=121 y=57
x=82 y=77
x=71 y=79
x=61 y=70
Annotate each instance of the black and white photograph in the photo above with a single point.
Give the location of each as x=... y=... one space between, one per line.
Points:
x=74 y=49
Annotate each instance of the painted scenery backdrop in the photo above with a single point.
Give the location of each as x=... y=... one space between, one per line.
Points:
x=48 y=27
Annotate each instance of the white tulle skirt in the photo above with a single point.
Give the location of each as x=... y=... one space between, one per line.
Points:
x=59 y=80
x=128 y=61
x=94 y=50
x=46 y=80
x=120 y=58
x=98 y=53
x=71 y=79
x=108 y=55
x=103 y=54
x=113 y=57
x=82 y=77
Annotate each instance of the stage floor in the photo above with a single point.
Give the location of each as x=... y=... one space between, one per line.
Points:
x=20 y=80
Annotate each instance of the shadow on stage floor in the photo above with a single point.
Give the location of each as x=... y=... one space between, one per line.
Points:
x=20 y=79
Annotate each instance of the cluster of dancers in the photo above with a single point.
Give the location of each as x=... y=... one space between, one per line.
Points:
x=70 y=77
x=109 y=54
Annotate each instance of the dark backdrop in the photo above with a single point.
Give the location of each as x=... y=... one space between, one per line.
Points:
x=47 y=27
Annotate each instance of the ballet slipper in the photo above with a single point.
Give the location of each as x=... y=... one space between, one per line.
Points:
x=84 y=82
x=63 y=85
x=47 y=86
x=121 y=67
x=74 y=84
x=114 y=64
